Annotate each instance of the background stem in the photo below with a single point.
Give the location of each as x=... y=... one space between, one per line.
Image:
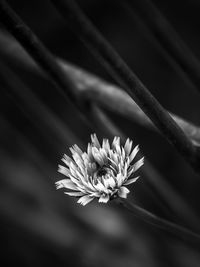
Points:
x=181 y=232
x=91 y=37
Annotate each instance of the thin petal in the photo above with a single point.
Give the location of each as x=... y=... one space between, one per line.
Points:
x=133 y=153
x=91 y=168
x=74 y=194
x=104 y=155
x=106 y=145
x=116 y=143
x=112 y=161
x=119 y=179
x=77 y=159
x=128 y=146
x=78 y=183
x=138 y=164
x=89 y=152
x=77 y=149
x=66 y=183
x=64 y=170
x=95 y=141
x=95 y=194
x=118 y=150
x=122 y=192
x=110 y=182
x=132 y=180
x=97 y=156
x=85 y=200
x=85 y=158
x=125 y=170
x=74 y=168
x=123 y=154
x=81 y=177
x=100 y=187
x=67 y=160
x=104 y=198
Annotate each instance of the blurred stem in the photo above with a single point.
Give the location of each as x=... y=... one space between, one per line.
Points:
x=84 y=29
x=38 y=113
x=181 y=232
x=40 y=54
x=94 y=89
x=167 y=37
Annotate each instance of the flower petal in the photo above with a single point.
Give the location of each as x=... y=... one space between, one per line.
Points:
x=64 y=170
x=138 y=164
x=95 y=141
x=77 y=150
x=66 y=183
x=100 y=187
x=97 y=156
x=66 y=159
x=103 y=154
x=73 y=169
x=133 y=153
x=119 y=179
x=123 y=154
x=128 y=146
x=74 y=194
x=132 y=180
x=95 y=194
x=110 y=182
x=89 y=152
x=123 y=191
x=106 y=145
x=85 y=200
x=104 y=198
x=116 y=144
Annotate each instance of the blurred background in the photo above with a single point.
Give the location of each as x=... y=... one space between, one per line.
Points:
x=41 y=226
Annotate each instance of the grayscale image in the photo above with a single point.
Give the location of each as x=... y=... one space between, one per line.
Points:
x=100 y=133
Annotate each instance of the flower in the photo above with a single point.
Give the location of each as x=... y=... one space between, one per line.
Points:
x=102 y=172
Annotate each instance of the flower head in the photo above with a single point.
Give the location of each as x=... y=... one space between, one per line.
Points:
x=102 y=172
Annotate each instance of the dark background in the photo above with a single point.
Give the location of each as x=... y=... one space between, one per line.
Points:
x=41 y=226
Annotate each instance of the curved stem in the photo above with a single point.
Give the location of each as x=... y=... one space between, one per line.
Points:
x=94 y=88
x=85 y=30
x=167 y=37
x=109 y=57
x=42 y=56
x=181 y=232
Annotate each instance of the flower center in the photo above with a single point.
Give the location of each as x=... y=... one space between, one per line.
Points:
x=102 y=171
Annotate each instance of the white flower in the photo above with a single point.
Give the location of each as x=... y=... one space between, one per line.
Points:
x=102 y=172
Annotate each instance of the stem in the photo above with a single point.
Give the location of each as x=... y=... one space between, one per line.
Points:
x=40 y=54
x=113 y=98
x=84 y=29
x=181 y=232
x=167 y=37
x=39 y=114
x=95 y=89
